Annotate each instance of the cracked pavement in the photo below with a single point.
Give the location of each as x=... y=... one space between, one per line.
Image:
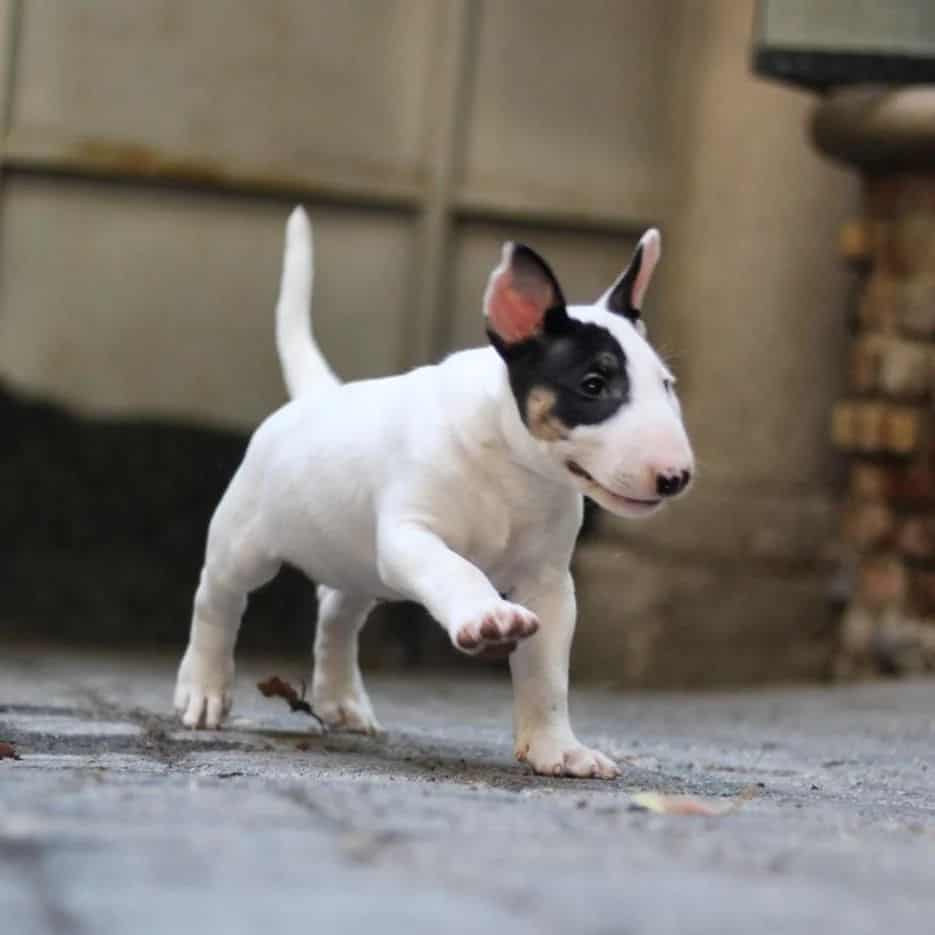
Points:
x=116 y=820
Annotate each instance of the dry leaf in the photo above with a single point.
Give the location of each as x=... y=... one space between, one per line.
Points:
x=8 y=751
x=662 y=804
x=275 y=687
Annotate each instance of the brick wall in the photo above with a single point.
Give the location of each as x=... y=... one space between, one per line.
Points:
x=885 y=427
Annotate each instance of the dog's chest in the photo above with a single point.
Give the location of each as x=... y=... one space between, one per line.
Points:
x=507 y=530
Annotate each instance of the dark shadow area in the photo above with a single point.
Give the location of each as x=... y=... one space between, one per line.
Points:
x=103 y=525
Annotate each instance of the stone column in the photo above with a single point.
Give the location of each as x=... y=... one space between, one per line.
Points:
x=731 y=585
x=884 y=423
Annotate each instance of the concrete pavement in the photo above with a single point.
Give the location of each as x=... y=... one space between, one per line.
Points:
x=116 y=821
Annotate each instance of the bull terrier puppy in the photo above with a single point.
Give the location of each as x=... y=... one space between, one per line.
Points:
x=459 y=486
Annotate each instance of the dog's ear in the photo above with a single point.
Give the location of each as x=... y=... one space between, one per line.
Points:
x=520 y=291
x=625 y=296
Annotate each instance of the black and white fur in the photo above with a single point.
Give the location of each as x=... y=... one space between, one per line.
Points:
x=458 y=486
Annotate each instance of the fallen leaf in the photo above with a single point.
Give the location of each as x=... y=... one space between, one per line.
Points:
x=662 y=804
x=8 y=751
x=275 y=687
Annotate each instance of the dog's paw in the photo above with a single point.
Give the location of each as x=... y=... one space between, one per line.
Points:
x=203 y=689
x=349 y=712
x=551 y=758
x=495 y=629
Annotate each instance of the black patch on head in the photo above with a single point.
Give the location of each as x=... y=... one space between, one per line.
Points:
x=560 y=359
x=620 y=298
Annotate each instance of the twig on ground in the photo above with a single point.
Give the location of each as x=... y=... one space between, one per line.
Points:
x=275 y=687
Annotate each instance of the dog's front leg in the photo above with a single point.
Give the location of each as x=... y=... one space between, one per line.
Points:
x=542 y=731
x=416 y=563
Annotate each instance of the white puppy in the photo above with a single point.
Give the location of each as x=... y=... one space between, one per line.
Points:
x=459 y=486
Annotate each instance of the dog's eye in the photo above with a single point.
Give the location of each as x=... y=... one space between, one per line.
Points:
x=594 y=385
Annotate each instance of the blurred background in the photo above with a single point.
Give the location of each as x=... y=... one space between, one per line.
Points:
x=151 y=153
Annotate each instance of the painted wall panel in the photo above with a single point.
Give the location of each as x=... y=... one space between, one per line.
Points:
x=123 y=300
x=279 y=82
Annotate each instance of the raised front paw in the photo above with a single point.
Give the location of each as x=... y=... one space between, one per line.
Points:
x=550 y=757
x=203 y=688
x=494 y=629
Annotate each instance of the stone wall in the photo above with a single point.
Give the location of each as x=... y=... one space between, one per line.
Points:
x=884 y=425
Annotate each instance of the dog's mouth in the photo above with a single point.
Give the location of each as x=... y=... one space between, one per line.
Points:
x=631 y=503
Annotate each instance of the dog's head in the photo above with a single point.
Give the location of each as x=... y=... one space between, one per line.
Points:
x=587 y=383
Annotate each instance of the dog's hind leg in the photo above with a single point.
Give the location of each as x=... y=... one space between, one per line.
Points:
x=338 y=694
x=235 y=564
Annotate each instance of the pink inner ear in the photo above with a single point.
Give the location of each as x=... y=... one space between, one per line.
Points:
x=516 y=304
x=651 y=250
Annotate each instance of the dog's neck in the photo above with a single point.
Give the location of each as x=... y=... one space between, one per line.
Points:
x=486 y=417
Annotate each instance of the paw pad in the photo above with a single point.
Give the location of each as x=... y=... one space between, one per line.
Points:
x=496 y=631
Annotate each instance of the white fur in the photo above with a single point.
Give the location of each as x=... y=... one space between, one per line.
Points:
x=428 y=487
x=645 y=438
x=303 y=365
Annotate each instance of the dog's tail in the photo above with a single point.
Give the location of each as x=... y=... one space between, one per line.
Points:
x=303 y=365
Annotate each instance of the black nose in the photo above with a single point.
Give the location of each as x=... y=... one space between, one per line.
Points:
x=672 y=482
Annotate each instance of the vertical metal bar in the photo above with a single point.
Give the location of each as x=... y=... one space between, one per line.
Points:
x=448 y=121
x=10 y=15
x=10 y=18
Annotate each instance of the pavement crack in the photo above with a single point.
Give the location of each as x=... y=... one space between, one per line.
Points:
x=155 y=740
x=299 y=796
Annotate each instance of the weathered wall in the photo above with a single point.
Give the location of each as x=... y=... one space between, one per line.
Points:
x=420 y=134
x=731 y=584
x=151 y=152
